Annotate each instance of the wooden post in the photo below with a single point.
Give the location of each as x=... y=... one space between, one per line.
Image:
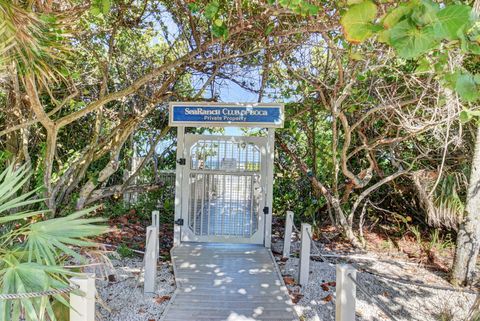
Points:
x=287 y=236
x=304 y=264
x=346 y=293
x=150 y=269
x=82 y=307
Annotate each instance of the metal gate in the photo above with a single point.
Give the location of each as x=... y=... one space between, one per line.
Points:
x=224 y=188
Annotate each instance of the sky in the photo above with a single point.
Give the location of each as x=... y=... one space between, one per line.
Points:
x=227 y=92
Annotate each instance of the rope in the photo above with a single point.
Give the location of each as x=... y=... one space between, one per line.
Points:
x=31 y=295
x=312 y=242
x=296 y=229
x=369 y=296
x=372 y=298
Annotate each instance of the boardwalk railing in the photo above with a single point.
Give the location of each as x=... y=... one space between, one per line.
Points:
x=346 y=274
x=82 y=297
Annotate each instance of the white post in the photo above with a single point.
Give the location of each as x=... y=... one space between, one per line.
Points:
x=269 y=197
x=287 y=236
x=156 y=224
x=82 y=307
x=150 y=269
x=346 y=293
x=156 y=218
x=177 y=229
x=304 y=264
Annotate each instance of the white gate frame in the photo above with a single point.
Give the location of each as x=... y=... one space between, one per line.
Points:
x=259 y=236
x=181 y=154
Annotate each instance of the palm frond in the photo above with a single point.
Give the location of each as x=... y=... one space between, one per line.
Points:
x=32 y=255
x=25 y=277
x=30 y=40
x=46 y=239
x=11 y=183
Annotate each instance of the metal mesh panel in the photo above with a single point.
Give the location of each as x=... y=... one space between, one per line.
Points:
x=225 y=156
x=224 y=188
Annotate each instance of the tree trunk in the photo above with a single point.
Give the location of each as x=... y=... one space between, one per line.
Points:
x=319 y=187
x=104 y=174
x=468 y=239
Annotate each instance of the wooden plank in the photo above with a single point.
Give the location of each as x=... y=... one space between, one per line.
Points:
x=227 y=281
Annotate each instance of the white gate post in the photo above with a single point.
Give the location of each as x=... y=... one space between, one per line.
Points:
x=177 y=229
x=150 y=269
x=287 y=236
x=304 y=264
x=82 y=307
x=346 y=293
x=269 y=185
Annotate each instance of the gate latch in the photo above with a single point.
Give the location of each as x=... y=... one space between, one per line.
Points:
x=266 y=210
x=181 y=161
x=179 y=222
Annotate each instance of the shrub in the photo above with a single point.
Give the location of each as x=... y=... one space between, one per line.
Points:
x=33 y=249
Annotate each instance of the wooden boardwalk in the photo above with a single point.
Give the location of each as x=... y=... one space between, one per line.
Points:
x=230 y=282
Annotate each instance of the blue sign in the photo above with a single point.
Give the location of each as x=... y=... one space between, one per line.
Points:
x=223 y=115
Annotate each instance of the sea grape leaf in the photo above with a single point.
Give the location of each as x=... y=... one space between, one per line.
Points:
x=425 y=13
x=410 y=41
x=397 y=14
x=465 y=116
x=106 y=4
x=357 y=21
x=423 y=66
x=466 y=87
x=211 y=10
x=451 y=20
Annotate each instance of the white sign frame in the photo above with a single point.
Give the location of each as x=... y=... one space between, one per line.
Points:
x=176 y=123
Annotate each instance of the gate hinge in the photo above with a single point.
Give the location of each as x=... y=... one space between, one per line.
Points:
x=266 y=210
x=181 y=161
x=179 y=222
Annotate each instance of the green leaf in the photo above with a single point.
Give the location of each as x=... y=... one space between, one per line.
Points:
x=451 y=20
x=357 y=21
x=467 y=88
x=352 y=2
x=47 y=239
x=476 y=78
x=397 y=14
x=384 y=36
x=106 y=4
x=423 y=66
x=193 y=7
x=211 y=10
x=356 y=56
x=218 y=22
x=465 y=116
x=312 y=9
x=410 y=41
x=220 y=31
x=269 y=29
x=425 y=13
